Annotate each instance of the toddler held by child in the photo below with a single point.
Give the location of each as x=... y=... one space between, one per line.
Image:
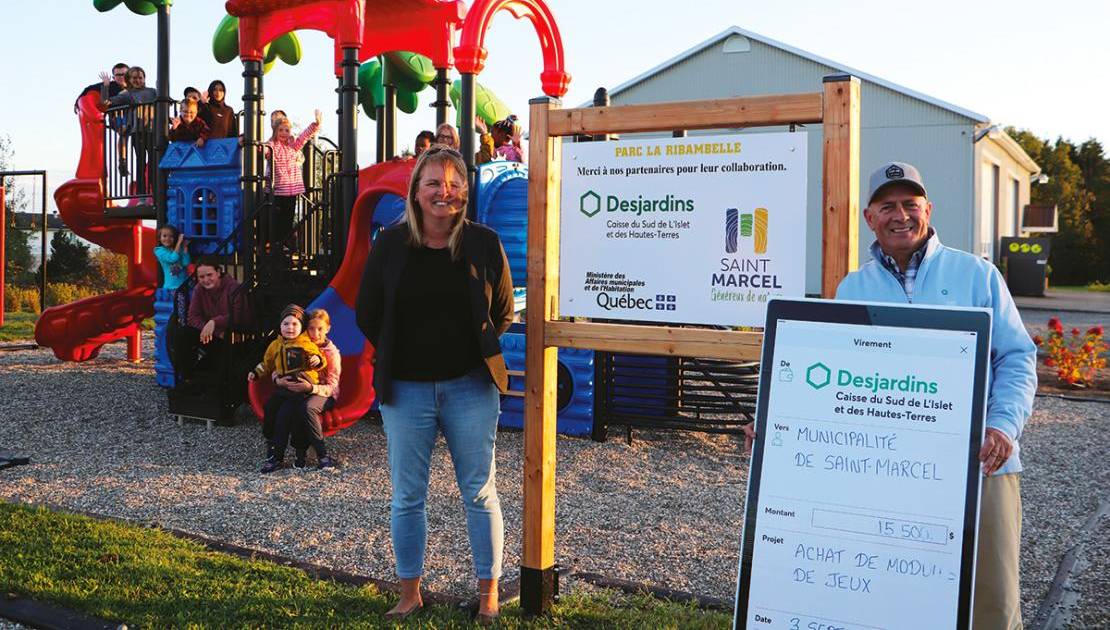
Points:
x=292 y=354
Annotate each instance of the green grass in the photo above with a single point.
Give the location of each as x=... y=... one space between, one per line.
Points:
x=150 y=578
x=18 y=327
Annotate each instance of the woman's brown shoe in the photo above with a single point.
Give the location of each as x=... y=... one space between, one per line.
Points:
x=399 y=615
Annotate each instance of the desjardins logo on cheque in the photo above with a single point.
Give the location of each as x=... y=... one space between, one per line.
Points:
x=819 y=375
x=591 y=203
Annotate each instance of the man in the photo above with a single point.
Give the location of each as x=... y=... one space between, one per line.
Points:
x=215 y=307
x=110 y=84
x=910 y=265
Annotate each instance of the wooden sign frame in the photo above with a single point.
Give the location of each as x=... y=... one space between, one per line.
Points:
x=837 y=108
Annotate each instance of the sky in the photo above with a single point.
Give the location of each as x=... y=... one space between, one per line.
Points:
x=1033 y=65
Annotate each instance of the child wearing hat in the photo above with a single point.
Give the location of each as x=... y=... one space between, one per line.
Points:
x=294 y=355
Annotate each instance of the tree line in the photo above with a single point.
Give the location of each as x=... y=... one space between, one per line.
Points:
x=1079 y=185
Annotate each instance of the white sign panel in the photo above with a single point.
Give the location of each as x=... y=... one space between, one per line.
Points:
x=700 y=230
x=865 y=485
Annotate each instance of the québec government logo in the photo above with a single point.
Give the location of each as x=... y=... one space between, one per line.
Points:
x=662 y=302
x=748 y=225
x=589 y=203
x=818 y=375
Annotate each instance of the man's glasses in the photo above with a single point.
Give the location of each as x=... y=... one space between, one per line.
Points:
x=119 y=74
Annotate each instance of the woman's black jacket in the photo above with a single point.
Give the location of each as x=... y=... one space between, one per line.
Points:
x=491 y=298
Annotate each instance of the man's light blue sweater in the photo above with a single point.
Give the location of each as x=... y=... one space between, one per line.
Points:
x=950 y=277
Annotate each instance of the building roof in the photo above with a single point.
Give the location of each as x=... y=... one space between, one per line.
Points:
x=215 y=153
x=1010 y=146
x=736 y=30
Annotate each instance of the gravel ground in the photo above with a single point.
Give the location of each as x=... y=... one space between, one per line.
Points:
x=665 y=511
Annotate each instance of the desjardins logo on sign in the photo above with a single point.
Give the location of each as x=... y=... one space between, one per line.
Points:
x=819 y=375
x=590 y=203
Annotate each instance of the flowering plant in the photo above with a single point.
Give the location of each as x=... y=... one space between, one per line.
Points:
x=1077 y=356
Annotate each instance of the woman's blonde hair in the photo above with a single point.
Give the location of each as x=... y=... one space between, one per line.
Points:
x=318 y=313
x=414 y=217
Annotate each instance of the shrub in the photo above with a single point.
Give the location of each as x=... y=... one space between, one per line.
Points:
x=1076 y=357
x=21 y=299
x=108 y=270
x=64 y=293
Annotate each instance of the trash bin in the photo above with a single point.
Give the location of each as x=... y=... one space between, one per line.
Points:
x=1026 y=264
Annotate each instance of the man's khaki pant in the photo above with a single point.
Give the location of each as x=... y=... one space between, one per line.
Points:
x=997 y=591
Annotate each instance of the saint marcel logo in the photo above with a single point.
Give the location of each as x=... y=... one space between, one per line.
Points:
x=748 y=225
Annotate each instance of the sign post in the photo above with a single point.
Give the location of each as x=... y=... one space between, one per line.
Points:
x=837 y=105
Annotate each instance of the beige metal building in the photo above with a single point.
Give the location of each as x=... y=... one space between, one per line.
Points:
x=978 y=177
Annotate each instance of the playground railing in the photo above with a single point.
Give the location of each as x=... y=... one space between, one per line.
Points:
x=676 y=393
x=130 y=143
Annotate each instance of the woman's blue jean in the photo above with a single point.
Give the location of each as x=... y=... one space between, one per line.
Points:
x=465 y=409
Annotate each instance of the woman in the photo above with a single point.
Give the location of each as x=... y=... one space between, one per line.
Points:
x=448 y=136
x=436 y=295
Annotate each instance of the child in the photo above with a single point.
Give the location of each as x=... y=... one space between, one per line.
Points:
x=323 y=395
x=288 y=183
x=220 y=118
x=506 y=137
x=502 y=142
x=189 y=127
x=172 y=253
x=292 y=354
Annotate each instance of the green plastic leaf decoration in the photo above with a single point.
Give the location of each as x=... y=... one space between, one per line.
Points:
x=225 y=45
x=138 y=7
x=371 y=93
x=287 y=48
x=408 y=71
x=225 y=41
x=486 y=104
x=407 y=101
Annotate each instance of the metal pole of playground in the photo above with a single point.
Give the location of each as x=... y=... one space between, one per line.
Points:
x=42 y=250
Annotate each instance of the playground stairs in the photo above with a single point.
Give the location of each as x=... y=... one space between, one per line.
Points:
x=271 y=277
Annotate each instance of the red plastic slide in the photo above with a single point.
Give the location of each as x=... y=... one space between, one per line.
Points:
x=76 y=331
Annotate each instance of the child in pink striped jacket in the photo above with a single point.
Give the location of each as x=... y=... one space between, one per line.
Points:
x=288 y=183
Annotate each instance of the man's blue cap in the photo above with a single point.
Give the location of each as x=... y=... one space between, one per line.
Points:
x=895 y=173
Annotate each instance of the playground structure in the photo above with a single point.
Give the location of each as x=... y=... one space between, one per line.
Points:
x=339 y=209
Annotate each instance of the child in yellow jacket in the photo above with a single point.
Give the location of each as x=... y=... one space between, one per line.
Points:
x=289 y=358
